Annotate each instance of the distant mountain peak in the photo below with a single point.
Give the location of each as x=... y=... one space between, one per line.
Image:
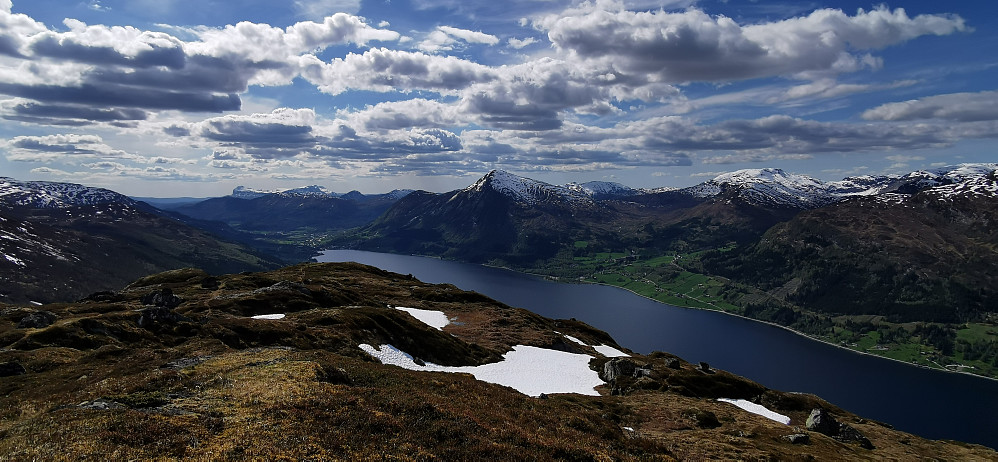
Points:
x=526 y=190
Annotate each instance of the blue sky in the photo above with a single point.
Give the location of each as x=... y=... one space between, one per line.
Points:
x=192 y=98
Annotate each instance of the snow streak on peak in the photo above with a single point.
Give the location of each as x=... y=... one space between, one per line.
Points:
x=525 y=189
x=599 y=190
x=771 y=186
x=45 y=194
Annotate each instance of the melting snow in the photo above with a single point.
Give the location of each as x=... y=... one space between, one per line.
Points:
x=757 y=410
x=530 y=370
x=605 y=350
x=609 y=351
x=269 y=316
x=432 y=318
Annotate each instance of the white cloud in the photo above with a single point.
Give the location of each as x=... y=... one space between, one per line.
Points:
x=961 y=107
x=519 y=44
x=382 y=69
x=693 y=46
x=445 y=38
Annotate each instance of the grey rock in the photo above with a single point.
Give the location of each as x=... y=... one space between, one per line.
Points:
x=100 y=405
x=618 y=367
x=798 y=438
x=159 y=314
x=673 y=363
x=848 y=434
x=704 y=367
x=822 y=422
x=164 y=298
x=37 y=320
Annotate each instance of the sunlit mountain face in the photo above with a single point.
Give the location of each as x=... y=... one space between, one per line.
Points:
x=162 y=99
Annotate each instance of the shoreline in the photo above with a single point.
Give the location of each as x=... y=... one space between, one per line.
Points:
x=549 y=278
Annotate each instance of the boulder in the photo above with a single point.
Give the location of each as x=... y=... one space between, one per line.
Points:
x=822 y=422
x=164 y=298
x=11 y=368
x=159 y=314
x=37 y=320
x=618 y=367
x=704 y=367
x=848 y=434
x=673 y=363
x=798 y=438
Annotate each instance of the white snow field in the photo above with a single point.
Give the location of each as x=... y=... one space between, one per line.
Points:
x=757 y=410
x=530 y=370
x=432 y=318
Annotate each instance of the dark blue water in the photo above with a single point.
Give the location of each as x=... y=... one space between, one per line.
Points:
x=933 y=404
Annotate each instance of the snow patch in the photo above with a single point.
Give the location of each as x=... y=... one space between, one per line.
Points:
x=609 y=351
x=530 y=370
x=269 y=316
x=580 y=342
x=757 y=409
x=432 y=318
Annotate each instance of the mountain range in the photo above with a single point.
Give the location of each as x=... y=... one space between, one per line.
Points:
x=61 y=241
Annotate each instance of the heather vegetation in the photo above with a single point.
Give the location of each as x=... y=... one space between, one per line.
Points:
x=174 y=367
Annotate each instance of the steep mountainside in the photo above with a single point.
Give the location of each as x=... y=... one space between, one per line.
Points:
x=500 y=216
x=60 y=241
x=521 y=221
x=925 y=251
x=288 y=365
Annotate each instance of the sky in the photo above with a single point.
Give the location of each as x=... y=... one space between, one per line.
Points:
x=172 y=98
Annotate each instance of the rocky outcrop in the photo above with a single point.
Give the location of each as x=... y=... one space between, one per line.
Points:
x=164 y=298
x=822 y=422
x=159 y=314
x=37 y=320
x=618 y=367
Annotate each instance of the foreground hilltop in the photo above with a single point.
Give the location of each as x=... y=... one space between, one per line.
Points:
x=289 y=364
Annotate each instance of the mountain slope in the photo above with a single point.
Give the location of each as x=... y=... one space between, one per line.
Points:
x=499 y=216
x=310 y=209
x=927 y=256
x=61 y=241
x=175 y=367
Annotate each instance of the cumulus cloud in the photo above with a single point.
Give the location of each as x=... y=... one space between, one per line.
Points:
x=54 y=147
x=123 y=69
x=693 y=46
x=445 y=38
x=521 y=43
x=286 y=133
x=960 y=107
x=382 y=69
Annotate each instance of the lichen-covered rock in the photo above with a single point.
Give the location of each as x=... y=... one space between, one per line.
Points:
x=37 y=320
x=822 y=422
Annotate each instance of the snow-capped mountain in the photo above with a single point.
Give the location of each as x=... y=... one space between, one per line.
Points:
x=769 y=186
x=242 y=192
x=60 y=241
x=50 y=195
x=526 y=190
x=601 y=190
